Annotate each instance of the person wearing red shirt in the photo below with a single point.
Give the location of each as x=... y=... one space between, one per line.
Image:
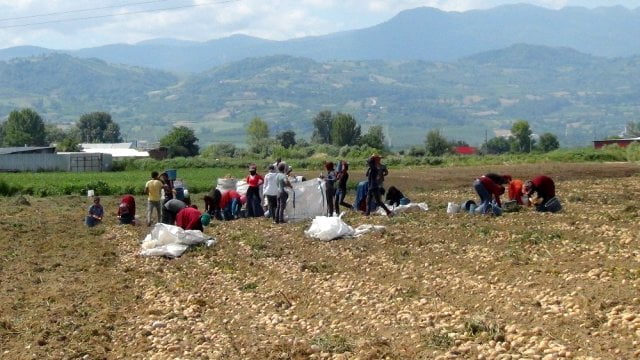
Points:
x=515 y=191
x=486 y=186
x=230 y=204
x=254 y=180
x=127 y=210
x=541 y=189
x=189 y=219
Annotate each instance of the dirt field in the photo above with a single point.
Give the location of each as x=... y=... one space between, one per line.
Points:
x=521 y=286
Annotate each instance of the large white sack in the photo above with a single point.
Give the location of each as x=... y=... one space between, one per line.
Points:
x=227 y=184
x=328 y=228
x=411 y=207
x=171 y=241
x=306 y=200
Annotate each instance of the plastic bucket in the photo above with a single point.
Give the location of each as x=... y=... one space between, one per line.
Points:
x=90 y=193
x=172 y=174
x=553 y=205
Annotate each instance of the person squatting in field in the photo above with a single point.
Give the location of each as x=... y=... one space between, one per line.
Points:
x=96 y=212
x=541 y=190
x=127 y=210
x=190 y=218
x=488 y=186
x=171 y=208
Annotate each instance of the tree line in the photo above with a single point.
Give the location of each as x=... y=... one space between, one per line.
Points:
x=340 y=130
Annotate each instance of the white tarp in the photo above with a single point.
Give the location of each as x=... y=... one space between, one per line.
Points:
x=328 y=228
x=172 y=241
x=411 y=207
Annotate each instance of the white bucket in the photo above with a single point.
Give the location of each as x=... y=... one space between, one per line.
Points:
x=90 y=193
x=525 y=200
x=452 y=208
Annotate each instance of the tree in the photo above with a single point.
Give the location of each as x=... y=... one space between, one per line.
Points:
x=497 y=145
x=374 y=138
x=70 y=143
x=221 y=150
x=181 y=141
x=323 y=122
x=258 y=136
x=344 y=130
x=548 y=142
x=24 y=127
x=522 y=135
x=287 y=138
x=436 y=144
x=98 y=127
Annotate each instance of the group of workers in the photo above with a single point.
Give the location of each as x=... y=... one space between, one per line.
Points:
x=539 y=191
x=174 y=207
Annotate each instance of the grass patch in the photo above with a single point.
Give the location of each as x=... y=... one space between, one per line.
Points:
x=332 y=343
x=438 y=340
x=479 y=327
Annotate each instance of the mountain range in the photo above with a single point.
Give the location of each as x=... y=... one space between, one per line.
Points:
x=425 y=34
x=577 y=96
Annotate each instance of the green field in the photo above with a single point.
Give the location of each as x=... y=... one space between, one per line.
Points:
x=103 y=183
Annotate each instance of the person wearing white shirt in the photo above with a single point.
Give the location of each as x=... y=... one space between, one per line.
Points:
x=270 y=191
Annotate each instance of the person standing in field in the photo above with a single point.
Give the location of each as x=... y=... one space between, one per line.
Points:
x=96 y=212
x=271 y=191
x=341 y=191
x=375 y=174
x=282 y=182
x=153 y=189
x=330 y=187
x=254 y=180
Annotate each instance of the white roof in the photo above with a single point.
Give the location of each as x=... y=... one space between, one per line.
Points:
x=118 y=152
x=127 y=145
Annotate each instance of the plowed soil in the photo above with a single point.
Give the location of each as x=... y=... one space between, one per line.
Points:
x=522 y=286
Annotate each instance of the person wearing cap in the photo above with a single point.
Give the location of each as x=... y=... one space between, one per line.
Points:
x=153 y=189
x=540 y=190
x=270 y=191
x=374 y=189
x=96 y=212
x=190 y=218
x=127 y=210
x=488 y=186
x=171 y=209
x=254 y=180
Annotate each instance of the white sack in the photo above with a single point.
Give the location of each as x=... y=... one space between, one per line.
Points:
x=306 y=200
x=411 y=207
x=328 y=228
x=367 y=228
x=226 y=184
x=172 y=241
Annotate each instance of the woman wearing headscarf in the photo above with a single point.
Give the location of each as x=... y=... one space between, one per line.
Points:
x=254 y=180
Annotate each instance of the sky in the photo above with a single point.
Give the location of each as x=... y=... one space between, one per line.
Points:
x=65 y=24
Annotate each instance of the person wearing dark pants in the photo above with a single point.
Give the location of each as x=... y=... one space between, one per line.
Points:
x=330 y=187
x=283 y=182
x=341 y=191
x=374 y=190
x=270 y=191
x=254 y=180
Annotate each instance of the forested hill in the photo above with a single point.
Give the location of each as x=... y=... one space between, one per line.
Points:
x=418 y=34
x=574 y=95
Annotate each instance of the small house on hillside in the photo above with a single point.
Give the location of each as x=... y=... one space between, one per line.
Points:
x=597 y=144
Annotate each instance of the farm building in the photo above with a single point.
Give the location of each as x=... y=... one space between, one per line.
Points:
x=465 y=150
x=597 y=144
x=117 y=150
x=46 y=159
